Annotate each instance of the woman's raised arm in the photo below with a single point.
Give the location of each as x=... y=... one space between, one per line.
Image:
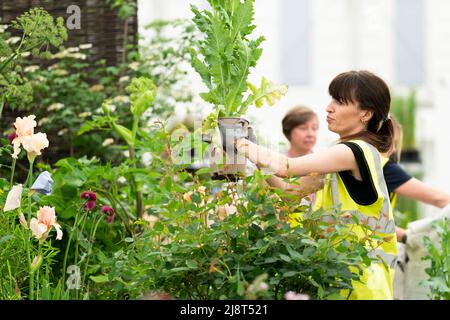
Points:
x=335 y=159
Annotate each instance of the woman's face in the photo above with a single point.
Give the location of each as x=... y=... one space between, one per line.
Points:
x=345 y=119
x=304 y=136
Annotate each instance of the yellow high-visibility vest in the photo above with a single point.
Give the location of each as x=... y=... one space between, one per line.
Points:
x=377 y=280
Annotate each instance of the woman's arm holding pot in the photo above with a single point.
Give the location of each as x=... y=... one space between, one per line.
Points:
x=335 y=159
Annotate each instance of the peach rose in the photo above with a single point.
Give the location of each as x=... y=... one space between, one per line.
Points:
x=24 y=128
x=46 y=219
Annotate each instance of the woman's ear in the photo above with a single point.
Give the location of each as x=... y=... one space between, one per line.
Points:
x=366 y=115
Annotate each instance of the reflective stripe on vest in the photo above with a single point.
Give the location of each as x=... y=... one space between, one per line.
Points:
x=388 y=259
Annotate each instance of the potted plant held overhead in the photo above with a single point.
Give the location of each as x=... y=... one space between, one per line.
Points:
x=223 y=57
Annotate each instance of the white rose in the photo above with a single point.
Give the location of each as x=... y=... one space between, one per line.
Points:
x=34 y=144
x=13 y=199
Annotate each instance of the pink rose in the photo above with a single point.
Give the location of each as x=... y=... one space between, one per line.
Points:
x=46 y=219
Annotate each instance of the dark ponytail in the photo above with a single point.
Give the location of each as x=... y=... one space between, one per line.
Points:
x=368 y=92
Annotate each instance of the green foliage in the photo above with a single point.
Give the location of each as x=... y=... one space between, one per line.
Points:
x=39 y=31
x=405 y=109
x=68 y=95
x=125 y=8
x=142 y=93
x=439 y=255
x=224 y=56
x=194 y=252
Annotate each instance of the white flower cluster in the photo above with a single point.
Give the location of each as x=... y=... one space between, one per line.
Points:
x=55 y=107
x=70 y=53
x=31 y=68
x=13 y=40
x=121 y=99
x=85 y=114
x=134 y=66
x=85 y=46
x=3 y=28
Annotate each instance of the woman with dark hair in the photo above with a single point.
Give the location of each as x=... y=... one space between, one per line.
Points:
x=359 y=113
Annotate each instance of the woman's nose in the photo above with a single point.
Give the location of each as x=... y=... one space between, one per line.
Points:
x=330 y=107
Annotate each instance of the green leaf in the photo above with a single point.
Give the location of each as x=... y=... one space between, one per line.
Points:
x=290 y=274
x=99 y=279
x=267 y=92
x=124 y=132
x=191 y=264
x=310 y=242
x=240 y=288
x=285 y=258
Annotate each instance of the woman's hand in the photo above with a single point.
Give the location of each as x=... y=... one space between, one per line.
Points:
x=242 y=146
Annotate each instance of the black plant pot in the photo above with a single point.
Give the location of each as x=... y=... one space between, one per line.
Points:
x=410 y=156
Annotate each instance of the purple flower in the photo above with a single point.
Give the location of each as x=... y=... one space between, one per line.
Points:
x=11 y=137
x=88 y=195
x=89 y=205
x=110 y=212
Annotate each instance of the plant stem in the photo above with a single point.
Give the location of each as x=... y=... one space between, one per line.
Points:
x=13 y=168
x=31 y=280
x=2 y=103
x=135 y=186
x=68 y=247
x=90 y=247
x=83 y=221
x=38 y=270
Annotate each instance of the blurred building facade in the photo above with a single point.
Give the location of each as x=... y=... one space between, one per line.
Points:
x=308 y=42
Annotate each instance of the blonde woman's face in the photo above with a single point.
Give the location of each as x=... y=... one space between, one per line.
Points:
x=304 y=136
